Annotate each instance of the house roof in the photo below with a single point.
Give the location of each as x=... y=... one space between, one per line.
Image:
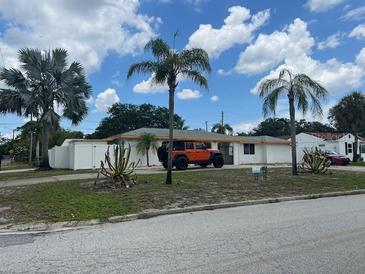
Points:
x=195 y=135
x=327 y=136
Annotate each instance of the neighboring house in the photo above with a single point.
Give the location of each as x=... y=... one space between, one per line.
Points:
x=342 y=143
x=87 y=153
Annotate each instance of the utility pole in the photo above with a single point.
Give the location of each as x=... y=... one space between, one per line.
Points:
x=206 y=126
x=222 y=117
x=13 y=134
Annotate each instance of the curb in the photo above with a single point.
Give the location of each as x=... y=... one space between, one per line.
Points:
x=39 y=227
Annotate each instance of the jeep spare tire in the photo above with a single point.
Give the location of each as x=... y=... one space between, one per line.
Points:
x=181 y=163
x=218 y=161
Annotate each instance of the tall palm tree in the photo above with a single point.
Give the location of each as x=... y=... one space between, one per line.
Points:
x=303 y=93
x=146 y=142
x=222 y=128
x=168 y=65
x=43 y=84
x=349 y=116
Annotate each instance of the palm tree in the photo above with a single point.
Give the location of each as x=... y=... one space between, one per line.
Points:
x=168 y=65
x=303 y=93
x=146 y=142
x=44 y=83
x=349 y=115
x=222 y=129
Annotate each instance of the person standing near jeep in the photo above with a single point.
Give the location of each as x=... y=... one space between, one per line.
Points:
x=162 y=152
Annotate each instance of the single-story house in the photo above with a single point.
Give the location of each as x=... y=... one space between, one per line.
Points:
x=342 y=143
x=87 y=153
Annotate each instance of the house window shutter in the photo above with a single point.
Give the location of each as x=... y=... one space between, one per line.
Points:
x=346 y=148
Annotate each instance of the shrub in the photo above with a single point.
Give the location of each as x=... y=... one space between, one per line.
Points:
x=120 y=172
x=314 y=161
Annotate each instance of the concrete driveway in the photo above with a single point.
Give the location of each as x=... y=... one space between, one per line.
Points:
x=313 y=236
x=349 y=168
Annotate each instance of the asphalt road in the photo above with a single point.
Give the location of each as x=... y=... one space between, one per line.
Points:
x=313 y=236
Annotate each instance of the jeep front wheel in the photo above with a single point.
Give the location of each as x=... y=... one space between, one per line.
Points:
x=218 y=161
x=181 y=163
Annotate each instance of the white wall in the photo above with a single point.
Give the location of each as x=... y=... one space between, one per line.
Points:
x=278 y=153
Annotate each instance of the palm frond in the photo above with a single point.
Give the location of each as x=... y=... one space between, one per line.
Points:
x=141 y=67
x=158 y=47
x=196 y=77
x=267 y=86
x=271 y=100
x=196 y=59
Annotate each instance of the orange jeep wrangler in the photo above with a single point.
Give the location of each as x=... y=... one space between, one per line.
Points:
x=186 y=152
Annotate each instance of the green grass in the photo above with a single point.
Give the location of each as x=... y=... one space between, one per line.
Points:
x=41 y=173
x=357 y=163
x=15 y=165
x=77 y=200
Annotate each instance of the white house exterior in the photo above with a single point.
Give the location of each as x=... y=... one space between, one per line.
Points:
x=342 y=143
x=87 y=153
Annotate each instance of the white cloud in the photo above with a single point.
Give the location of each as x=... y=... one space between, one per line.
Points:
x=147 y=86
x=237 y=29
x=322 y=5
x=355 y=14
x=214 y=98
x=187 y=94
x=245 y=127
x=89 y=30
x=360 y=59
x=331 y=42
x=358 y=32
x=104 y=100
x=270 y=50
x=291 y=49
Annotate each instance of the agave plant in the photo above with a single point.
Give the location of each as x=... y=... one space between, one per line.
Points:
x=314 y=161
x=117 y=170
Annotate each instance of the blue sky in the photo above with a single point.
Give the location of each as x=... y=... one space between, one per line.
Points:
x=247 y=41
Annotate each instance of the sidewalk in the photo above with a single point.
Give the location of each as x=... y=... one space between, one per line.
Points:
x=17 y=170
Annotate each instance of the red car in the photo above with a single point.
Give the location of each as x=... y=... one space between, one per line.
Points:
x=336 y=159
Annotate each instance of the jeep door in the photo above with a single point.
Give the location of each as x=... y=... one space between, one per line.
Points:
x=189 y=151
x=201 y=152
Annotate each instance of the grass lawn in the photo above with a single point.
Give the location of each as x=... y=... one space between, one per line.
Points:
x=77 y=200
x=43 y=173
x=15 y=165
x=357 y=164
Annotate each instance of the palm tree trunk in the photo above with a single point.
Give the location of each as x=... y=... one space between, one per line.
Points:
x=148 y=160
x=171 y=137
x=44 y=158
x=355 y=157
x=293 y=136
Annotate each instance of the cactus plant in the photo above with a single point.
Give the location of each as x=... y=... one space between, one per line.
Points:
x=118 y=171
x=314 y=161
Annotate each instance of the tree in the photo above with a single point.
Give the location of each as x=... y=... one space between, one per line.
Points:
x=222 y=129
x=281 y=127
x=44 y=83
x=167 y=68
x=146 y=142
x=126 y=117
x=57 y=137
x=349 y=116
x=302 y=92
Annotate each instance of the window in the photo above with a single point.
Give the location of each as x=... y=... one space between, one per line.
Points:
x=208 y=145
x=199 y=146
x=179 y=146
x=189 y=145
x=249 y=149
x=349 y=146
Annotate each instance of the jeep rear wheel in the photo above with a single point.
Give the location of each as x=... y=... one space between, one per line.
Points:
x=181 y=163
x=218 y=161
